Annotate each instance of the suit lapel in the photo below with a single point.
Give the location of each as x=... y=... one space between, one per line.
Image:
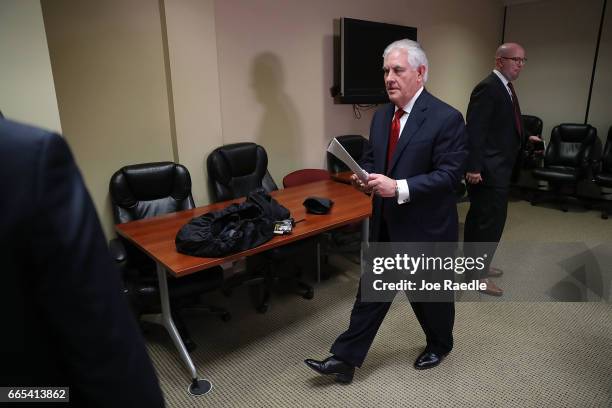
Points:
x=507 y=101
x=415 y=121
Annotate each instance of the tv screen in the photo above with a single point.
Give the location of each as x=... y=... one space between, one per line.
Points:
x=361 y=47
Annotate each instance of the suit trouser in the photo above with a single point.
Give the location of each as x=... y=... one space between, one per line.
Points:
x=436 y=319
x=485 y=221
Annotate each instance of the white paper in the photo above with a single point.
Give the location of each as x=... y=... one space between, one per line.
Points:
x=338 y=150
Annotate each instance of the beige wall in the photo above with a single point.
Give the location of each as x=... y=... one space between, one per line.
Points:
x=108 y=66
x=559 y=37
x=27 y=93
x=600 y=113
x=276 y=66
x=192 y=51
x=149 y=80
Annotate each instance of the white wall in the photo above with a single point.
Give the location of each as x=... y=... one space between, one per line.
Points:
x=108 y=64
x=560 y=38
x=27 y=92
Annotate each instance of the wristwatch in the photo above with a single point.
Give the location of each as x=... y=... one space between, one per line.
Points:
x=396 y=189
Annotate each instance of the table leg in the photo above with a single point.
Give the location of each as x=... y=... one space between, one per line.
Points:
x=198 y=386
x=365 y=232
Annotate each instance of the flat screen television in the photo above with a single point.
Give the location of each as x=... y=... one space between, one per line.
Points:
x=360 y=62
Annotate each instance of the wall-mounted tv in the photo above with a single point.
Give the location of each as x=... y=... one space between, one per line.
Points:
x=360 y=61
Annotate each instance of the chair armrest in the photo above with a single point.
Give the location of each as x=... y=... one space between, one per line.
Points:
x=117 y=250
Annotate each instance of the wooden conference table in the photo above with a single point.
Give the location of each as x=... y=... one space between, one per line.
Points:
x=155 y=236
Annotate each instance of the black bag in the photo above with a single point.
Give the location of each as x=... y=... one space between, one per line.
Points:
x=233 y=229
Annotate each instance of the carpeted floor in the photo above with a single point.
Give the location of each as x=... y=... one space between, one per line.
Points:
x=507 y=354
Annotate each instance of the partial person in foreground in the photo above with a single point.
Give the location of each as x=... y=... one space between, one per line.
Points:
x=68 y=323
x=416 y=158
x=496 y=135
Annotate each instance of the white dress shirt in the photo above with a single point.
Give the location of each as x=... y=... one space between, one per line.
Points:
x=504 y=80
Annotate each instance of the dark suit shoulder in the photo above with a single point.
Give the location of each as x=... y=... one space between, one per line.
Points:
x=490 y=84
x=440 y=108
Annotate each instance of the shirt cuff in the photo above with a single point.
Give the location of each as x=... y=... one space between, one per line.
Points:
x=403 y=195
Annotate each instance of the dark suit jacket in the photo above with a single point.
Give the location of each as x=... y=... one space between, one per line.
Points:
x=66 y=322
x=494 y=140
x=430 y=155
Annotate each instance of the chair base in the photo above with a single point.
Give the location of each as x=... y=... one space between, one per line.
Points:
x=556 y=195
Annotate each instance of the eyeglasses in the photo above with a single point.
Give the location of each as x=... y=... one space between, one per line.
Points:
x=517 y=60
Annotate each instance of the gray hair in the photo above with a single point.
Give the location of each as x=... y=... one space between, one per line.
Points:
x=416 y=55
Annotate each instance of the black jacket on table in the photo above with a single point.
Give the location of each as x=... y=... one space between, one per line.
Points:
x=66 y=321
x=494 y=140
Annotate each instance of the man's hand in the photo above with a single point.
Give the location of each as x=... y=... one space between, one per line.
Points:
x=536 y=140
x=473 y=178
x=358 y=184
x=382 y=185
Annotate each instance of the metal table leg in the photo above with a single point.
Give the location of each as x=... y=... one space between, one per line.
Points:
x=198 y=386
x=365 y=232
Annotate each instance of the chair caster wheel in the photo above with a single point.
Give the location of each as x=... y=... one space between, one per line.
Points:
x=226 y=317
x=308 y=294
x=262 y=309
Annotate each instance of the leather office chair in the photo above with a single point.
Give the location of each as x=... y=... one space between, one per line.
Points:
x=355 y=145
x=146 y=190
x=234 y=170
x=567 y=160
x=603 y=176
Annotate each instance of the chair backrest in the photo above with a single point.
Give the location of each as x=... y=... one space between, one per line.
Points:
x=570 y=145
x=303 y=176
x=532 y=125
x=145 y=190
x=355 y=145
x=234 y=170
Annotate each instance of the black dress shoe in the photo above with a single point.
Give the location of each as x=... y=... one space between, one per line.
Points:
x=427 y=359
x=332 y=366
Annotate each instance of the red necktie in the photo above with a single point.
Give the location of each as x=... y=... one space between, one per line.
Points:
x=394 y=136
x=517 y=110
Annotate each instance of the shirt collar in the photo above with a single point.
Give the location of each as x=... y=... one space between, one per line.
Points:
x=411 y=102
x=502 y=77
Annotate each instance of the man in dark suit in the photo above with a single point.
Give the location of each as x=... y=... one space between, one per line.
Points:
x=66 y=319
x=495 y=130
x=418 y=146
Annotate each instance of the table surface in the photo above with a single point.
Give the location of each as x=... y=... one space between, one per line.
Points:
x=156 y=235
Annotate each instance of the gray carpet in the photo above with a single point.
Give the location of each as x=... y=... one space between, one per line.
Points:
x=507 y=354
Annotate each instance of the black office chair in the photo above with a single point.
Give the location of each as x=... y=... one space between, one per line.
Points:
x=355 y=145
x=234 y=170
x=146 y=190
x=567 y=161
x=603 y=176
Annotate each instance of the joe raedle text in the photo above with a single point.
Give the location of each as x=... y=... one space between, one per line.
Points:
x=423 y=285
